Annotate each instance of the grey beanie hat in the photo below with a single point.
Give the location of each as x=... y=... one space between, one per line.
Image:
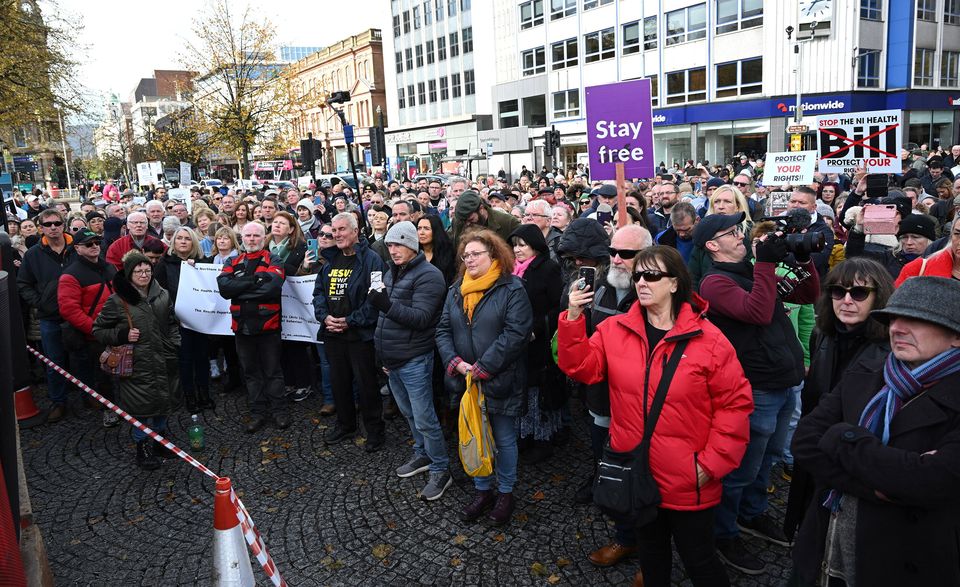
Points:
x=931 y=299
x=403 y=233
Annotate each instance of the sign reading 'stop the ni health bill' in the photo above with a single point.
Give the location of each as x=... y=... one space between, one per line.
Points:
x=861 y=139
x=620 y=129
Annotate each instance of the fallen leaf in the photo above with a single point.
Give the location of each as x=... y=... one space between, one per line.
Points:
x=538 y=569
x=328 y=548
x=272 y=510
x=325 y=453
x=196 y=501
x=558 y=478
x=579 y=535
x=360 y=482
x=382 y=551
x=75 y=541
x=315 y=421
x=302 y=489
x=170 y=496
x=136 y=520
x=265 y=442
x=459 y=539
x=391 y=525
x=331 y=563
x=521 y=517
x=499 y=538
x=455 y=562
x=359 y=441
x=96 y=520
x=538 y=496
x=562 y=562
x=385 y=562
x=281 y=494
x=553 y=579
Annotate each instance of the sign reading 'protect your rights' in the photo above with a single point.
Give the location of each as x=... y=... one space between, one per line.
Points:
x=620 y=129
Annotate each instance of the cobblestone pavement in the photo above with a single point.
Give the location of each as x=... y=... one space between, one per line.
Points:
x=329 y=515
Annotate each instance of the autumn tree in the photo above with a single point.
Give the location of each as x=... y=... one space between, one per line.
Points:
x=181 y=137
x=239 y=90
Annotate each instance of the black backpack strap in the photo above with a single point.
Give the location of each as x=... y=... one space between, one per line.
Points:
x=650 y=419
x=103 y=286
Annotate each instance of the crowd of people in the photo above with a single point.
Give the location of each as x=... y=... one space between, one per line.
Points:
x=727 y=344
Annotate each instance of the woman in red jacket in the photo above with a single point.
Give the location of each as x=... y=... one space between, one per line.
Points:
x=704 y=426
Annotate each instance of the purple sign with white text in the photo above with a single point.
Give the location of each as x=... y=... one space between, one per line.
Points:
x=620 y=129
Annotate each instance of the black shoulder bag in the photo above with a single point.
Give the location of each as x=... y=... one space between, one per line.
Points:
x=624 y=487
x=73 y=339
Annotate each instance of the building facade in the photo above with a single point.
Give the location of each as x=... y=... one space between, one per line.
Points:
x=354 y=64
x=167 y=92
x=439 y=54
x=723 y=72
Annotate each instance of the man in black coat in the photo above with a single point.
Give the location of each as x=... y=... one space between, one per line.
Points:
x=890 y=515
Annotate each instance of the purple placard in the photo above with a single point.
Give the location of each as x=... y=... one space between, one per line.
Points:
x=620 y=129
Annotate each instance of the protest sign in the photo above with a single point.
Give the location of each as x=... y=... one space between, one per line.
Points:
x=791 y=168
x=143 y=174
x=861 y=139
x=620 y=129
x=777 y=203
x=186 y=172
x=183 y=195
x=298 y=320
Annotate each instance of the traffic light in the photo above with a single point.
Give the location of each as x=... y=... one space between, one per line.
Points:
x=556 y=140
x=378 y=145
x=339 y=97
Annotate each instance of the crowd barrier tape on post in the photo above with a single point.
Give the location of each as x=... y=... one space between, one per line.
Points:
x=249 y=529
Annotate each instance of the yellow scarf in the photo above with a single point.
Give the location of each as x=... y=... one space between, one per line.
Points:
x=472 y=289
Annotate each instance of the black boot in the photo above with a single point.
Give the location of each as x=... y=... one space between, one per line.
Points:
x=145 y=458
x=204 y=401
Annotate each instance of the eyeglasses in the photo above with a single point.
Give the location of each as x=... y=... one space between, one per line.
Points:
x=649 y=276
x=532 y=215
x=142 y=271
x=51 y=224
x=474 y=255
x=736 y=231
x=326 y=235
x=858 y=293
x=169 y=207
x=623 y=253
x=90 y=244
x=740 y=184
x=76 y=228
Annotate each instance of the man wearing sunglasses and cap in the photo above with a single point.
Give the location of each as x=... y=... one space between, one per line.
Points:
x=745 y=305
x=40 y=271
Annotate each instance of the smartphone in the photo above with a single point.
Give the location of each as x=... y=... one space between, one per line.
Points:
x=877 y=187
x=604 y=214
x=587 y=276
x=314 y=247
x=880 y=219
x=376 y=280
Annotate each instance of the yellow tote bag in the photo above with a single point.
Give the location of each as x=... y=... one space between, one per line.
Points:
x=476 y=436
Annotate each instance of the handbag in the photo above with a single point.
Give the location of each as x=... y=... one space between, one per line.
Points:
x=117 y=360
x=476 y=446
x=71 y=337
x=624 y=487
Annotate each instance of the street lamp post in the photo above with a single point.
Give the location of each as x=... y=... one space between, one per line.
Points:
x=63 y=144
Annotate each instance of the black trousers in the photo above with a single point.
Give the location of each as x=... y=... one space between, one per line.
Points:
x=354 y=362
x=260 y=357
x=297 y=363
x=692 y=532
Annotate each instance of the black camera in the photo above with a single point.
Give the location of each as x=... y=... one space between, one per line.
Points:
x=790 y=227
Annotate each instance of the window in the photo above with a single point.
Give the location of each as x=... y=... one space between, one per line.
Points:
x=654 y=90
x=951 y=11
x=469 y=84
x=949 y=74
x=468 y=40
x=649 y=33
x=439 y=11
x=455 y=83
x=735 y=15
x=534 y=61
x=431 y=56
x=422 y=92
x=871 y=9
x=564 y=54
x=686 y=24
x=416 y=17
x=451 y=7
x=401 y=101
x=427 y=13
x=599 y=45
x=454 y=44
x=444 y=88
x=509 y=114
x=396 y=25
x=535 y=110
x=464 y=5
x=923 y=67
x=561 y=8
x=631 y=37
x=589 y=4
x=408 y=53
x=441 y=48
x=432 y=90
x=410 y=96
x=406 y=21
x=531 y=14
x=868 y=68
x=687 y=86
x=927 y=10
x=566 y=104
x=739 y=78
x=399 y=57
x=419 y=49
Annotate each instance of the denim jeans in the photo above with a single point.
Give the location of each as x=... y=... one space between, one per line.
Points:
x=412 y=388
x=156 y=423
x=54 y=350
x=325 y=386
x=745 y=489
x=505 y=456
x=794 y=420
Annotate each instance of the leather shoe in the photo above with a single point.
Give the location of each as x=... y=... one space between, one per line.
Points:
x=282 y=421
x=57 y=412
x=638 y=579
x=611 y=554
x=373 y=444
x=328 y=410
x=338 y=434
x=256 y=423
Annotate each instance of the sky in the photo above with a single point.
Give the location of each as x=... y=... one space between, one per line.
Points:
x=125 y=41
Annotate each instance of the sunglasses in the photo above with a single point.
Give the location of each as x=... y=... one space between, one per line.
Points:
x=326 y=235
x=623 y=253
x=90 y=244
x=649 y=276
x=52 y=223
x=858 y=293
x=740 y=184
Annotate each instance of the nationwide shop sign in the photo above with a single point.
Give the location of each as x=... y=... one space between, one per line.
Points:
x=861 y=139
x=620 y=129
x=790 y=168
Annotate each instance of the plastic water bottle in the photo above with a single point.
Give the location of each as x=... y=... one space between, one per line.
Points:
x=196 y=433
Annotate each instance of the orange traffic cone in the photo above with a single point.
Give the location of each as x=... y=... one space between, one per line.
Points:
x=231 y=563
x=28 y=414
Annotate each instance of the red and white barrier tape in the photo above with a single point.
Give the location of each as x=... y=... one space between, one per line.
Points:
x=249 y=529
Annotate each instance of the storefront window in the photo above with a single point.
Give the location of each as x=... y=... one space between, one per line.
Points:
x=926 y=125
x=721 y=142
x=672 y=143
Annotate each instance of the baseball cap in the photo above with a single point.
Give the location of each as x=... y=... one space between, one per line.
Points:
x=711 y=224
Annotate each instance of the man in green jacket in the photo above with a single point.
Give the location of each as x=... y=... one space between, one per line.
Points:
x=472 y=210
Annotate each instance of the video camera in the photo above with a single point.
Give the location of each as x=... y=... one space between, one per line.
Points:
x=790 y=228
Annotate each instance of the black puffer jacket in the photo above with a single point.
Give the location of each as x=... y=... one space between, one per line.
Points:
x=496 y=339
x=39 y=275
x=408 y=329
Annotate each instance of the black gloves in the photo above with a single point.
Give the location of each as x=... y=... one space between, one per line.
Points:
x=802 y=255
x=771 y=250
x=380 y=300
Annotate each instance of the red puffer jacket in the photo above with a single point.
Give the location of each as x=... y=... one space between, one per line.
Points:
x=705 y=418
x=77 y=292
